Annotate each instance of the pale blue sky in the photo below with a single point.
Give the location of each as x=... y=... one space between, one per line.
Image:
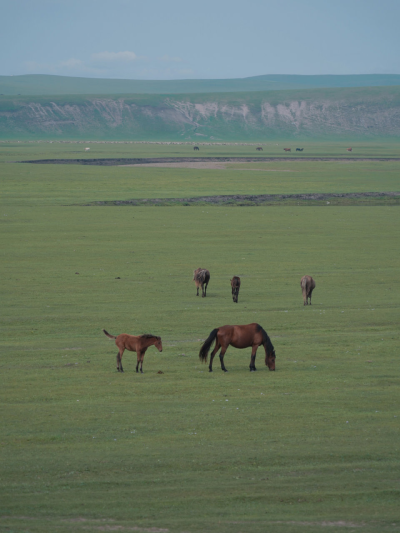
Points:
x=176 y=39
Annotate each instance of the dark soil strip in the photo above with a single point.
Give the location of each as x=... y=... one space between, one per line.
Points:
x=141 y=161
x=360 y=198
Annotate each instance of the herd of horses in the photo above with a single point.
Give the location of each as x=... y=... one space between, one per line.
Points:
x=239 y=336
x=260 y=149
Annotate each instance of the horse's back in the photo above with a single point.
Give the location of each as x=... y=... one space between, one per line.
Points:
x=241 y=336
x=235 y=282
x=126 y=341
x=307 y=283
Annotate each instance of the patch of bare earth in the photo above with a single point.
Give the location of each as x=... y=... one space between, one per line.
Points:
x=203 y=165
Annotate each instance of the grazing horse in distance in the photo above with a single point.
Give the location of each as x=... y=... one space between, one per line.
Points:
x=259 y=149
x=287 y=149
x=201 y=276
x=299 y=149
x=349 y=149
x=196 y=148
x=307 y=286
x=239 y=337
x=138 y=344
x=235 y=284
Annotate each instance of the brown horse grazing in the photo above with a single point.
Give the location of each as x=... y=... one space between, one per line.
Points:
x=259 y=149
x=235 y=284
x=196 y=148
x=287 y=149
x=349 y=149
x=307 y=286
x=138 y=344
x=239 y=337
x=201 y=276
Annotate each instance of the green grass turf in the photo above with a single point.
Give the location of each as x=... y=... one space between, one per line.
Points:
x=83 y=448
x=52 y=85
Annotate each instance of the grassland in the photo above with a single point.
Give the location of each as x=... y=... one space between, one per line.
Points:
x=313 y=446
x=34 y=84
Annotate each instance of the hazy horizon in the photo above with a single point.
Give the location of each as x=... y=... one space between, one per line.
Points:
x=126 y=39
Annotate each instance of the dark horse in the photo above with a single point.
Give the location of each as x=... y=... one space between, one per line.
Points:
x=138 y=344
x=259 y=149
x=307 y=286
x=196 y=148
x=201 y=276
x=235 y=284
x=299 y=149
x=239 y=337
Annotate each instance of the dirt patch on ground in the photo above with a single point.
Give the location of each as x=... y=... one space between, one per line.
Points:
x=359 y=198
x=203 y=165
x=181 y=160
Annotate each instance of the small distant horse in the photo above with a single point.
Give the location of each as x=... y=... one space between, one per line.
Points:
x=235 y=284
x=239 y=337
x=138 y=344
x=287 y=149
x=349 y=149
x=307 y=286
x=299 y=149
x=259 y=149
x=201 y=276
x=196 y=148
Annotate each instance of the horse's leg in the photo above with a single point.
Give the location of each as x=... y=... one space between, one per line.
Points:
x=141 y=361
x=310 y=296
x=253 y=359
x=221 y=357
x=197 y=290
x=119 y=360
x=205 y=290
x=216 y=348
x=138 y=361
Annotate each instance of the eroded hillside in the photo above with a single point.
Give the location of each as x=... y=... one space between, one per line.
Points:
x=334 y=113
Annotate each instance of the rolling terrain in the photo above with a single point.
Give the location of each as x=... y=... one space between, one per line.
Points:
x=42 y=84
x=346 y=114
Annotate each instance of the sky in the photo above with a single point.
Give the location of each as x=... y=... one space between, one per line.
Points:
x=209 y=39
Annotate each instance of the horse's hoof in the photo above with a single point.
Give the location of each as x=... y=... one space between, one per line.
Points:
x=225 y=370
x=210 y=369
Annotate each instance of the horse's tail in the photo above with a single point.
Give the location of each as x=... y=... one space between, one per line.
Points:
x=108 y=335
x=203 y=354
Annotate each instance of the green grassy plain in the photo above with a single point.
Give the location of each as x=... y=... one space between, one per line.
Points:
x=312 y=445
x=34 y=84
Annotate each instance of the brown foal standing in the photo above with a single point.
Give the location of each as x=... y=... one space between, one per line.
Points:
x=133 y=343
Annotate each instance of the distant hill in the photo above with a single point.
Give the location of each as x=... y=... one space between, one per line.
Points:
x=41 y=84
x=345 y=114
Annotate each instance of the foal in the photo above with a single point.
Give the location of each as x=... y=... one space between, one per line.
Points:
x=307 y=286
x=138 y=344
x=201 y=276
x=235 y=284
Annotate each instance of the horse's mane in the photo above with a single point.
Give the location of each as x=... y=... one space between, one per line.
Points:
x=149 y=336
x=266 y=339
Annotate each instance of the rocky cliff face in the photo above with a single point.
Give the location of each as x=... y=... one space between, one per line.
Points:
x=343 y=113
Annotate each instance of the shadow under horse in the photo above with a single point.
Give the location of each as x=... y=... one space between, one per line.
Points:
x=239 y=337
